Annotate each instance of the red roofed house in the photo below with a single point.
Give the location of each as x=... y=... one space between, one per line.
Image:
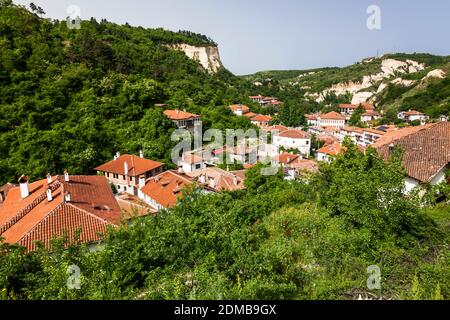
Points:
x=413 y=115
x=164 y=190
x=331 y=119
x=369 y=116
x=239 y=109
x=124 y=171
x=326 y=153
x=183 y=119
x=426 y=152
x=348 y=109
x=191 y=162
x=220 y=180
x=258 y=98
x=58 y=206
x=294 y=139
x=261 y=120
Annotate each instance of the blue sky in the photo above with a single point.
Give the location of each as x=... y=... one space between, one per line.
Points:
x=256 y=35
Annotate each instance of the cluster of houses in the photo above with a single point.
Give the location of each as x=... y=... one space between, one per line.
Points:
x=266 y=101
x=257 y=119
x=131 y=186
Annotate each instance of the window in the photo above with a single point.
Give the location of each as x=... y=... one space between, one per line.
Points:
x=198 y=166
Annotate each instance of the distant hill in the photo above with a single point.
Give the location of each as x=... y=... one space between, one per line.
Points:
x=394 y=81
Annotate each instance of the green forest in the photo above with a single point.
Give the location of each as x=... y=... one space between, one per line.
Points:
x=311 y=239
x=71 y=98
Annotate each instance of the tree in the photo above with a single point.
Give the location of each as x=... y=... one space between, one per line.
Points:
x=355 y=119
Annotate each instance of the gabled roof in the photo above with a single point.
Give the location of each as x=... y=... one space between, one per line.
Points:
x=426 y=151
x=166 y=188
x=286 y=158
x=237 y=107
x=295 y=134
x=180 y=115
x=223 y=180
x=413 y=113
x=304 y=165
x=92 y=208
x=261 y=118
x=332 y=149
x=191 y=158
x=333 y=115
x=250 y=115
x=136 y=165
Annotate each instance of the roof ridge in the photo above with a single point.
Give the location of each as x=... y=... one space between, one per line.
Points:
x=41 y=221
x=23 y=212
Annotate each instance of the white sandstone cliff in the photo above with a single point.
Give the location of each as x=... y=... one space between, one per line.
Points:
x=208 y=56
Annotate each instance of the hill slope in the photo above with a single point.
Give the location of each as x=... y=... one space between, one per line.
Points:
x=70 y=99
x=394 y=81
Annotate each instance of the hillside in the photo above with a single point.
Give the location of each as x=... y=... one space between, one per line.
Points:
x=70 y=99
x=393 y=81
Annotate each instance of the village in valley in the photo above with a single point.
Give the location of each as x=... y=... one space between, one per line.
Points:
x=131 y=186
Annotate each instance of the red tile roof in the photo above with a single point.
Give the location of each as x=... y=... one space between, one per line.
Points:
x=333 y=115
x=425 y=151
x=180 y=115
x=295 y=134
x=304 y=165
x=286 y=158
x=394 y=135
x=250 y=115
x=166 y=188
x=92 y=208
x=223 y=180
x=237 y=107
x=191 y=158
x=332 y=149
x=136 y=165
x=261 y=118
x=413 y=113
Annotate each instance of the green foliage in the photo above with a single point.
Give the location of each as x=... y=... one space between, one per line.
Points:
x=70 y=99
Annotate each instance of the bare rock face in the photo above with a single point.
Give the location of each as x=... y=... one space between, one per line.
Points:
x=208 y=56
x=437 y=73
x=389 y=69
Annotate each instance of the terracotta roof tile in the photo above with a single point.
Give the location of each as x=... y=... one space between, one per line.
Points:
x=35 y=218
x=333 y=115
x=136 y=165
x=166 y=188
x=332 y=149
x=295 y=134
x=426 y=150
x=180 y=115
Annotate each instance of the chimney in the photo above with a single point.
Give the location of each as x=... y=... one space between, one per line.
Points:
x=67 y=197
x=49 y=178
x=49 y=195
x=203 y=178
x=141 y=181
x=141 y=154
x=117 y=155
x=66 y=176
x=24 y=188
x=235 y=180
x=125 y=168
x=213 y=183
x=391 y=147
x=180 y=170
